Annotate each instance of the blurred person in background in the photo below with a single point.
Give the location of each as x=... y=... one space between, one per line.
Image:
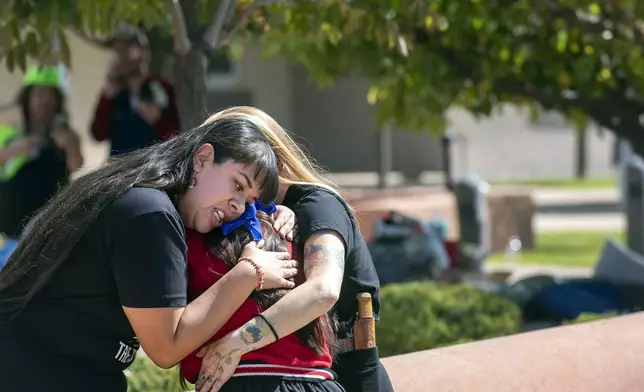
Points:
x=36 y=157
x=135 y=109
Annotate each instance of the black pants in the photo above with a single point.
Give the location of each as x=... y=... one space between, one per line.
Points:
x=362 y=371
x=279 y=384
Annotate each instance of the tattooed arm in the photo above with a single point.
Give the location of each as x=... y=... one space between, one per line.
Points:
x=324 y=255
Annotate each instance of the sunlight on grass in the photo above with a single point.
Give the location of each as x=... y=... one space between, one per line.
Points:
x=573 y=248
x=590 y=183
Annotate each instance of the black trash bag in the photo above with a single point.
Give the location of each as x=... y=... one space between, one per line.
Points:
x=404 y=250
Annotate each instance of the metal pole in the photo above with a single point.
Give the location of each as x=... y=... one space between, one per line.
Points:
x=448 y=172
x=385 y=158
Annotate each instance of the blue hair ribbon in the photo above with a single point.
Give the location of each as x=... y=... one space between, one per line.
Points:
x=249 y=220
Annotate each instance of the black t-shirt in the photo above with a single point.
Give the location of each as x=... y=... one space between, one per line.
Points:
x=74 y=335
x=319 y=209
x=30 y=188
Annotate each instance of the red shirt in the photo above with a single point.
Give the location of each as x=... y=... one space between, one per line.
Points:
x=168 y=125
x=290 y=354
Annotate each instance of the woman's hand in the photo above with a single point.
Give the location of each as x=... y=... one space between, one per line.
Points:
x=277 y=267
x=220 y=359
x=285 y=224
x=66 y=139
x=24 y=146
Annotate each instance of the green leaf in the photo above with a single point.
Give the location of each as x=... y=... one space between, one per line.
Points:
x=429 y=21
x=31 y=44
x=594 y=9
x=372 y=95
x=562 y=40
x=20 y=57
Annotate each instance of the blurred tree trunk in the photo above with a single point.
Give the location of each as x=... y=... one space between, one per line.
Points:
x=160 y=54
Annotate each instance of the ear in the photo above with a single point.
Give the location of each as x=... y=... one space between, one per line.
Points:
x=204 y=154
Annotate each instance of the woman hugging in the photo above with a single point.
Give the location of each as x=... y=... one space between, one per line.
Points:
x=297 y=362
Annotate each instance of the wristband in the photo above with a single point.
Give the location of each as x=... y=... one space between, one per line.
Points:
x=269 y=326
x=258 y=272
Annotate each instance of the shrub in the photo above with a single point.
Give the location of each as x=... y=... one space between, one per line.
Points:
x=424 y=315
x=144 y=376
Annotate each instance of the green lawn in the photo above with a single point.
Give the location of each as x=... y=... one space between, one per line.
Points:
x=590 y=183
x=574 y=248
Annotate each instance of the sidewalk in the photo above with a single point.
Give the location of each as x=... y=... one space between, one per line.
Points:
x=520 y=271
x=550 y=196
x=567 y=219
x=579 y=222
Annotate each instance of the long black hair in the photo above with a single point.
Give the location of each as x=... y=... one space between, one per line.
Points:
x=319 y=333
x=52 y=234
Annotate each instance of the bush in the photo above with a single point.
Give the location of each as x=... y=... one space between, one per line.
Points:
x=424 y=315
x=144 y=376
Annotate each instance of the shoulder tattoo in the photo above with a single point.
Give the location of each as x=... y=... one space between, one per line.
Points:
x=323 y=252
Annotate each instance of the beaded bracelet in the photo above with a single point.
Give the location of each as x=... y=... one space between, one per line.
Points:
x=258 y=272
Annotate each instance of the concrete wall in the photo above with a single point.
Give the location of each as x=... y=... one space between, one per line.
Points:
x=601 y=356
x=508 y=146
x=339 y=129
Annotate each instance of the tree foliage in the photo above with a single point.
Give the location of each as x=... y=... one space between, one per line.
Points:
x=582 y=58
x=185 y=30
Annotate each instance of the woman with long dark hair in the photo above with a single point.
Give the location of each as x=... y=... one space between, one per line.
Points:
x=300 y=362
x=37 y=156
x=337 y=267
x=102 y=267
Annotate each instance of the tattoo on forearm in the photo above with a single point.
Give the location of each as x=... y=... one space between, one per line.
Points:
x=321 y=252
x=251 y=334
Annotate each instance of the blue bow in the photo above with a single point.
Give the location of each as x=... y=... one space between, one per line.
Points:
x=249 y=219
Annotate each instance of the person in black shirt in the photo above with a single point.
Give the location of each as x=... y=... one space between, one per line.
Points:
x=37 y=156
x=102 y=267
x=328 y=237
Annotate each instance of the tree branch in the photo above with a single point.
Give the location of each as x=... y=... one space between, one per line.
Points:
x=181 y=40
x=224 y=12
